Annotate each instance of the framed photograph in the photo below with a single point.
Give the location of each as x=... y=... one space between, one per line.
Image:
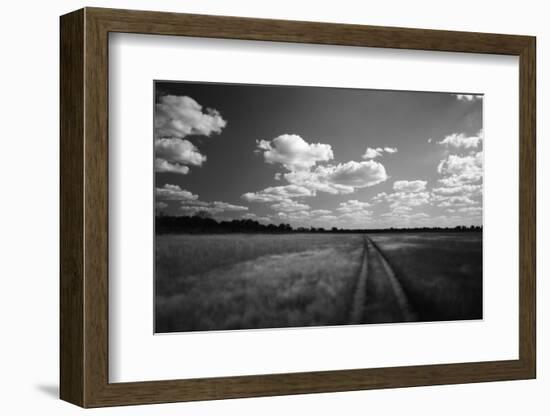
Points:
x=260 y=207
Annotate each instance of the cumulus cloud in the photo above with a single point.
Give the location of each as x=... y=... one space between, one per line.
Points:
x=372 y=153
x=354 y=174
x=293 y=152
x=459 y=140
x=471 y=210
x=406 y=217
x=322 y=212
x=343 y=178
x=174 y=193
x=162 y=165
x=315 y=181
x=289 y=205
x=353 y=205
x=453 y=201
x=177 y=117
x=190 y=203
x=409 y=186
x=216 y=207
x=461 y=170
x=277 y=193
x=409 y=199
x=468 y=97
x=401 y=203
x=181 y=116
x=458 y=190
x=309 y=173
x=462 y=182
x=173 y=155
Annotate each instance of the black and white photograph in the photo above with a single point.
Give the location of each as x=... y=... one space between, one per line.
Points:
x=306 y=206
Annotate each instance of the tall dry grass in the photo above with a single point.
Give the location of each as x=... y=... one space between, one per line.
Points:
x=221 y=282
x=441 y=272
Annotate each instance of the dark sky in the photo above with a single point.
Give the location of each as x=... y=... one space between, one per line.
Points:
x=225 y=143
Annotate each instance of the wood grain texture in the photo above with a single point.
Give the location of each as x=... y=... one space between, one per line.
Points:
x=71 y=208
x=84 y=207
x=527 y=208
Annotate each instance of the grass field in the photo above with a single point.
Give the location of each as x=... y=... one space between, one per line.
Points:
x=233 y=281
x=236 y=281
x=441 y=272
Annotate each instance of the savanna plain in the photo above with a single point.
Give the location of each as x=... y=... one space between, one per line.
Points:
x=249 y=281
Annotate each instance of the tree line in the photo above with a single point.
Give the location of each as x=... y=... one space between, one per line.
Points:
x=205 y=225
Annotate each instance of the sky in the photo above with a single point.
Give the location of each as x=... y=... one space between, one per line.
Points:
x=318 y=156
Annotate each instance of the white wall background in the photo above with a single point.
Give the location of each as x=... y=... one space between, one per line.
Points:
x=29 y=208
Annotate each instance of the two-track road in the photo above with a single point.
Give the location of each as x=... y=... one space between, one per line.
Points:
x=379 y=296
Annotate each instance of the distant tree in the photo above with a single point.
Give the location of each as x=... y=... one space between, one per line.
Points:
x=203 y=214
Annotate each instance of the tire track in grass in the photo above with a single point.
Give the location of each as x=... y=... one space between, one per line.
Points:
x=407 y=311
x=359 y=296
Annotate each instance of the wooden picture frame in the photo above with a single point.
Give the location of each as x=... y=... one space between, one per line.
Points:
x=84 y=207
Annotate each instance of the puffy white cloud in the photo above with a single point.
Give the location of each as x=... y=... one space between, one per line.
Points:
x=161 y=205
x=293 y=152
x=224 y=206
x=173 y=155
x=461 y=170
x=289 y=205
x=352 y=205
x=353 y=213
x=354 y=174
x=181 y=116
x=458 y=194
x=453 y=201
x=162 y=165
x=458 y=140
x=307 y=175
x=458 y=190
x=409 y=199
x=468 y=97
x=177 y=117
x=405 y=216
x=343 y=178
x=401 y=210
x=190 y=204
x=314 y=181
x=409 y=186
x=372 y=153
x=174 y=193
x=322 y=212
x=277 y=193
